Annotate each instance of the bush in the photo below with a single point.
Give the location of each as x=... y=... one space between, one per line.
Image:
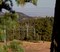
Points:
x=15 y=46
x=3 y=48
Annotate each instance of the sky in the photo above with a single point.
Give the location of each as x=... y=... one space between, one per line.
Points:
x=43 y=8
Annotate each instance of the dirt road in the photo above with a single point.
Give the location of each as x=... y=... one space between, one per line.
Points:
x=36 y=47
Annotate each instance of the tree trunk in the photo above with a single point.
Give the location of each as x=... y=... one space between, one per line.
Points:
x=55 y=43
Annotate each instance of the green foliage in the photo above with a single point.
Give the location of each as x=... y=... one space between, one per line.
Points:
x=3 y=48
x=31 y=29
x=43 y=29
x=2 y=35
x=15 y=46
x=22 y=2
x=7 y=23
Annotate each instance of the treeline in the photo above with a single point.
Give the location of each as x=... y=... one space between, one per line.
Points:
x=30 y=29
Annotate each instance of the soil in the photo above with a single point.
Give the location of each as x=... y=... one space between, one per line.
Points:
x=36 y=47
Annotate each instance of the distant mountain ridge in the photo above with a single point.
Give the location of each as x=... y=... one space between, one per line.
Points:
x=21 y=18
x=19 y=13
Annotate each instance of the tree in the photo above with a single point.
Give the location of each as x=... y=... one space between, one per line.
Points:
x=4 y=5
x=55 y=43
x=7 y=6
x=22 y=2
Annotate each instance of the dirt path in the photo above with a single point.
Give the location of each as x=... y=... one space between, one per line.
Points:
x=36 y=47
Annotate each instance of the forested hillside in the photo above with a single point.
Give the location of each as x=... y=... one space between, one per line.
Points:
x=13 y=26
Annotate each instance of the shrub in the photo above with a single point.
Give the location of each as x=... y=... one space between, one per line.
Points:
x=3 y=48
x=15 y=46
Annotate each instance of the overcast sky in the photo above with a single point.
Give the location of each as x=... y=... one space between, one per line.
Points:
x=43 y=8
